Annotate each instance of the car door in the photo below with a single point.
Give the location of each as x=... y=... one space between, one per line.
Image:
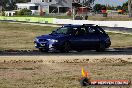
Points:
x=91 y=38
x=77 y=40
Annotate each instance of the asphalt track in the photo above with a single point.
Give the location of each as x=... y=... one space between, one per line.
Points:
x=111 y=51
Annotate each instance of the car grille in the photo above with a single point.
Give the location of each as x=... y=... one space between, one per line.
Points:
x=43 y=40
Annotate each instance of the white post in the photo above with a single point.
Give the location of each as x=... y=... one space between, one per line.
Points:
x=73 y=11
x=130 y=7
x=58 y=9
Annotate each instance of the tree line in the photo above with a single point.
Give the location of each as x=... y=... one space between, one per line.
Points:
x=99 y=7
x=10 y=4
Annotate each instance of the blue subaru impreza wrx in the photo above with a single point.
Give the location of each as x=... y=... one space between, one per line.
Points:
x=74 y=37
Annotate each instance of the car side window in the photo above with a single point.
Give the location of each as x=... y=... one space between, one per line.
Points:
x=74 y=31
x=80 y=31
x=91 y=30
x=83 y=30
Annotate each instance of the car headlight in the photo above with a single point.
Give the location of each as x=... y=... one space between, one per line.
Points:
x=52 y=40
x=36 y=39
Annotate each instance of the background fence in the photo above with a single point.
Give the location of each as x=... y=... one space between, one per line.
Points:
x=126 y=24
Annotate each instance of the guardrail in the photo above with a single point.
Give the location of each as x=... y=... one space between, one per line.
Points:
x=125 y=24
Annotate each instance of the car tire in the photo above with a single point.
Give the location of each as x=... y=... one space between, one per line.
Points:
x=101 y=48
x=79 y=50
x=65 y=47
x=43 y=50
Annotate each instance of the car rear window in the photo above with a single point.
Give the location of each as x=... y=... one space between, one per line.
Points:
x=95 y=29
x=91 y=30
x=100 y=29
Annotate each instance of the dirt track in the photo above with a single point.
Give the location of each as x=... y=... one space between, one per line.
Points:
x=71 y=59
x=62 y=71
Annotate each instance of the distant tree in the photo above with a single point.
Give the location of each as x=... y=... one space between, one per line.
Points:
x=10 y=4
x=23 y=12
x=108 y=7
x=7 y=4
x=118 y=7
x=125 y=6
x=88 y=3
x=103 y=7
x=99 y=7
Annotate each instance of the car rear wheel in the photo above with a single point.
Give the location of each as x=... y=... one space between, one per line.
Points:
x=79 y=50
x=65 y=47
x=43 y=50
x=101 y=47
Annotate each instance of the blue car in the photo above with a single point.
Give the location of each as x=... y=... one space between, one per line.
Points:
x=74 y=37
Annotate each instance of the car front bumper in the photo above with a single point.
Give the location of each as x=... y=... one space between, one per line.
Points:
x=47 y=46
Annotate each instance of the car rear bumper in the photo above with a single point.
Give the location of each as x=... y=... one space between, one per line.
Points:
x=108 y=44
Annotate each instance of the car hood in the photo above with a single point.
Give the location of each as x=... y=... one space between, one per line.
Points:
x=52 y=36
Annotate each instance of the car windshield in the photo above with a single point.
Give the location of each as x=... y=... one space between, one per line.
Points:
x=63 y=30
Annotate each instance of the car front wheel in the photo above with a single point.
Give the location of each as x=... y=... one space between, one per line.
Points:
x=43 y=50
x=65 y=47
x=101 y=47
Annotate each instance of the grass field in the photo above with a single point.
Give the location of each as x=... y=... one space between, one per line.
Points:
x=120 y=40
x=16 y=36
x=20 y=36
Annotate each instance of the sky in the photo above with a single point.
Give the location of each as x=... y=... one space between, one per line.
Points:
x=111 y=2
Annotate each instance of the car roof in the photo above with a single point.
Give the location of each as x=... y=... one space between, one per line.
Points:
x=72 y=25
